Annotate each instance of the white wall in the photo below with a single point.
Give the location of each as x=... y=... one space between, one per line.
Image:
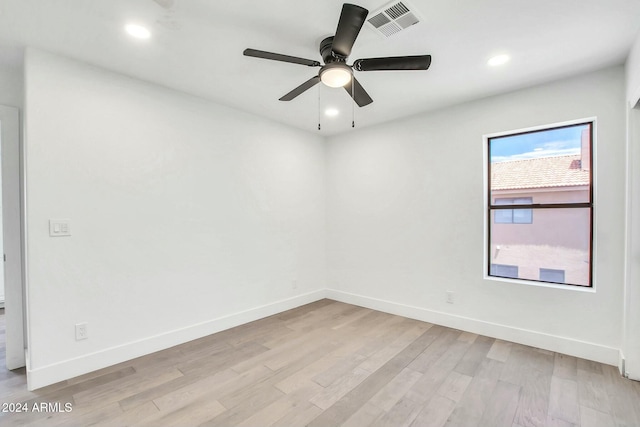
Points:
x=633 y=72
x=406 y=218
x=187 y=217
x=631 y=342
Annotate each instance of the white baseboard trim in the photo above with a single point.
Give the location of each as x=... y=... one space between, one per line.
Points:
x=51 y=374
x=572 y=347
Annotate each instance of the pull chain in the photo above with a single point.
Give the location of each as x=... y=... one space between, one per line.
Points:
x=319 y=106
x=353 y=107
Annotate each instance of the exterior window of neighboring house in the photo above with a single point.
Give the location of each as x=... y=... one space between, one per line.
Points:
x=502 y=270
x=547 y=174
x=511 y=216
x=551 y=275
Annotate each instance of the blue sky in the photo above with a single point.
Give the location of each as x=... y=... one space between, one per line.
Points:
x=547 y=143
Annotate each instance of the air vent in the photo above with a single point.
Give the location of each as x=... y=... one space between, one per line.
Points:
x=392 y=18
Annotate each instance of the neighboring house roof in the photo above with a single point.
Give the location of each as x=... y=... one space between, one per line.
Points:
x=544 y=172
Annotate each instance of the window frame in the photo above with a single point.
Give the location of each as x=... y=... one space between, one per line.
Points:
x=491 y=206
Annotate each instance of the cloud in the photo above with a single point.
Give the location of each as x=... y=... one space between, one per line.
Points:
x=547 y=149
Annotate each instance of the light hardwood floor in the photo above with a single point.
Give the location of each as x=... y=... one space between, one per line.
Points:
x=334 y=364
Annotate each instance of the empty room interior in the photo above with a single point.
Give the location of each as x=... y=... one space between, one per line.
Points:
x=406 y=213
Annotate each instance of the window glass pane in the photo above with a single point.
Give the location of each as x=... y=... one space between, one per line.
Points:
x=501 y=270
x=552 y=165
x=551 y=275
x=522 y=216
x=503 y=216
x=559 y=239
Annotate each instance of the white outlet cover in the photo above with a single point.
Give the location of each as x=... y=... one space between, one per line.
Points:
x=81 y=331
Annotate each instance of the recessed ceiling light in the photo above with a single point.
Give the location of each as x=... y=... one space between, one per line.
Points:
x=331 y=112
x=498 y=60
x=138 y=31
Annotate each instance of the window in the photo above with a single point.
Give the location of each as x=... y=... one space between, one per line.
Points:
x=514 y=216
x=547 y=174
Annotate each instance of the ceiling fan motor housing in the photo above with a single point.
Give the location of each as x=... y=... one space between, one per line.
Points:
x=327 y=53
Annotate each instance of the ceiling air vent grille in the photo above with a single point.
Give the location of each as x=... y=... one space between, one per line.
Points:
x=392 y=18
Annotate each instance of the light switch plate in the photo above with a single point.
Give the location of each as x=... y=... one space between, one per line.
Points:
x=59 y=227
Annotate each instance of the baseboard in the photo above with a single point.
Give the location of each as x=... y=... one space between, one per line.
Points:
x=572 y=347
x=51 y=374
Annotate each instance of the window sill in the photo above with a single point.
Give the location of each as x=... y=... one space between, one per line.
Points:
x=541 y=284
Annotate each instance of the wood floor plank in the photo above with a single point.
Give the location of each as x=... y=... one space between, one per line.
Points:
x=499 y=350
x=401 y=414
x=182 y=396
x=533 y=404
x=274 y=412
x=132 y=417
x=349 y=318
x=589 y=366
x=435 y=413
x=129 y=386
x=474 y=355
x=301 y=415
x=326 y=362
x=565 y=367
x=592 y=390
x=382 y=356
x=471 y=407
x=522 y=360
x=340 y=368
x=467 y=337
x=393 y=391
x=557 y=422
x=454 y=386
x=501 y=406
x=191 y=415
x=440 y=345
x=593 y=418
x=334 y=392
x=563 y=400
x=366 y=415
x=424 y=389
x=240 y=411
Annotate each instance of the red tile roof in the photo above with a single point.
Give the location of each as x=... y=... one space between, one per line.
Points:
x=559 y=171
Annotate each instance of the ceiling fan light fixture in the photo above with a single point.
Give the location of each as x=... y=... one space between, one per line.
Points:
x=335 y=74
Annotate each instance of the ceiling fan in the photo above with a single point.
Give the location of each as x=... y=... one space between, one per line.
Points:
x=335 y=50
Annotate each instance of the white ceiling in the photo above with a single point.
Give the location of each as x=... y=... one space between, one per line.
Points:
x=197 y=47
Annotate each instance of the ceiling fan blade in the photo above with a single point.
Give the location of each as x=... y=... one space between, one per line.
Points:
x=300 y=89
x=420 y=62
x=351 y=21
x=359 y=95
x=279 y=57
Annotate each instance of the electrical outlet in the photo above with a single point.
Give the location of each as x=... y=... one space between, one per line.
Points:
x=81 y=331
x=294 y=284
x=449 y=297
